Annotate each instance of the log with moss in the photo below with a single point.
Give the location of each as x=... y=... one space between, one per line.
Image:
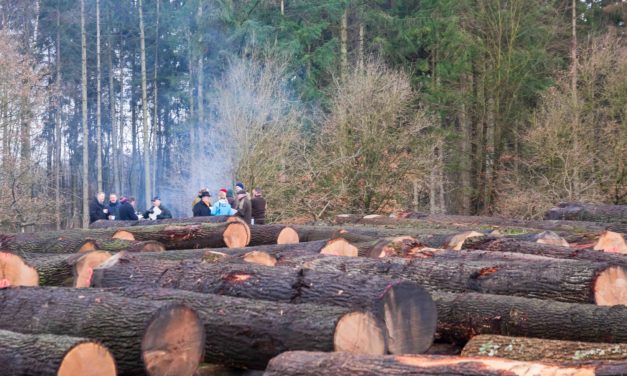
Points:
x=144 y=336
x=304 y=363
x=105 y=223
x=538 y=349
x=562 y=280
x=461 y=316
x=579 y=211
x=247 y=333
x=405 y=308
x=53 y=355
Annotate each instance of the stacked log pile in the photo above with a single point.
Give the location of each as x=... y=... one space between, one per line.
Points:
x=376 y=295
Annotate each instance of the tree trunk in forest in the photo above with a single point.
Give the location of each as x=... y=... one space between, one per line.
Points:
x=144 y=336
x=404 y=307
x=115 y=158
x=146 y=133
x=53 y=355
x=201 y=75
x=462 y=316
x=58 y=134
x=514 y=245
x=344 y=44
x=248 y=333
x=535 y=349
x=98 y=100
x=561 y=280
x=155 y=120
x=466 y=152
x=304 y=363
x=272 y=234
x=85 y=194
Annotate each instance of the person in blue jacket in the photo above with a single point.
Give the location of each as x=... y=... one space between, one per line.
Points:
x=222 y=206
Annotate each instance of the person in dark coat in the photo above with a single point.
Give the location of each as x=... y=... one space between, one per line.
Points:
x=258 y=204
x=157 y=211
x=113 y=207
x=203 y=207
x=244 y=209
x=231 y=199
x=127 y=209
x=97 y=209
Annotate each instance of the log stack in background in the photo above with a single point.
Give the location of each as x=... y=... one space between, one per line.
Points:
x=521 y=297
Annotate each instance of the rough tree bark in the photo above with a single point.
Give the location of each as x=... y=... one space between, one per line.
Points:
x=98 y=98
x=84 y=118
x=143 y=336
x=145 y=131
x=272 y=234
x=53 y=355
x=577 y=211
x=404 y=307
x=304 y=363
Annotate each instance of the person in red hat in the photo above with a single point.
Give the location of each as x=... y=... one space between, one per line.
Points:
x=222 y=206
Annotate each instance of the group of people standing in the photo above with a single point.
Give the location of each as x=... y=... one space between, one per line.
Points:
x=251 y=209
x=124 y=209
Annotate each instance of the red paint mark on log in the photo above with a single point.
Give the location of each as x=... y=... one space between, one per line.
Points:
x=4 y=283
x=237 y=277
x=486 y=271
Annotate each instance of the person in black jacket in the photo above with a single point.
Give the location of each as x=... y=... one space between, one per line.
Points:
x=113 y=207
x=97 y=208
x=127 y=209
x=157 y=211
x=258 y=204
x=203 y=207
x=244 y=209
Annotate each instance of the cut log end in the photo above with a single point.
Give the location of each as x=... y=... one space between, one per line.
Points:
x=410 y=318
x=239 y=220
x=359 y=332
x=123 y=235
x=260 y=258
x=236 y=235
x=610 y=287
x=550 y=237
x=288 y=236
x=14 y=272
x=152 y=246
x=173 y=342
x=612 y=242
x=88 y=246
x=457 y=241
x=87 y=358
x=84 y=267
x=339 y=247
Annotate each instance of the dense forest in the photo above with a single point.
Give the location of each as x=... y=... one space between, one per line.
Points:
x=363 y=106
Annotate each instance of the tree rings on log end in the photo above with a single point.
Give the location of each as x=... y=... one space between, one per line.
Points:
x=174 y=341
x=88 y=246
x=339 y=247
x=85 y=265
x=359 y=332
x=260 y=258
x=151 y=246
x=123 y=235
x=410 y=318
x=236 y=235
x=610 y=287
x=612 y=242
x=288 y=236
x=87 y=358
x=239 y=220
x=14 y=272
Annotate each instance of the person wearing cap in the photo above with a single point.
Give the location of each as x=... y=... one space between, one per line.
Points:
x=197 y=198
x=239 y=187
x=222 y=206
x=127 y=209
x=258 y=203
x=203 y=207
x=244 y=208
x=157 y=211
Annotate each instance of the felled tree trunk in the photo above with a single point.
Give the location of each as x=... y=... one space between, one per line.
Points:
x=536 y=349
x=52 y=355
x=248 y=333
x=143 y=336
x=578 y=211
x=462 y=316
x=205 y=235
x=317 y=363
x=406 y=309
x=512 y=245
x=562 y=280
x=103 y=223
x=272 y=234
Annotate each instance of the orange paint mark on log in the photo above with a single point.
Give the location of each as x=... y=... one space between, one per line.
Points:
x=237 y=277
x=4 y=283
x=487 y=271
x=88 y=275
